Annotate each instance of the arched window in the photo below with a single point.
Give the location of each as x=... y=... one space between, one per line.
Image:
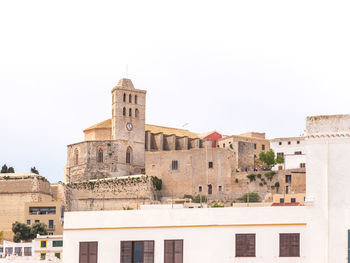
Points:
x=76 y=157
x=130 y=112
x=124 y=111
x=124 y=97
x=136 y=113
x=130 y=98
x=129 y=155
x=135 y=99
x=100 y=155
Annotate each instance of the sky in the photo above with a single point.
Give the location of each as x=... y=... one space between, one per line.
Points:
x=230 y=66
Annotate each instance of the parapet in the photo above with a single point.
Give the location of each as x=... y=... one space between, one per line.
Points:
x=329 y=125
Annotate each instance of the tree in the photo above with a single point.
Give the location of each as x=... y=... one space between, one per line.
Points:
x=4 y=169
x=34 y=170
x=11 y=170
x=21 y=232
x=269 y=158
x=157 y=183
x=38 y=228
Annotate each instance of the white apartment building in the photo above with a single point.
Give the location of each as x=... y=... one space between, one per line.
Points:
x=41 y=249
x=317 y=232
x=293 y=151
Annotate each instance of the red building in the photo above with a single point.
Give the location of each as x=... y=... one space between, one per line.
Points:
x=212 y=135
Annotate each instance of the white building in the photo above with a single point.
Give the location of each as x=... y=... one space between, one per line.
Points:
x=41 y=249
x=293 y=151
x=315 y=233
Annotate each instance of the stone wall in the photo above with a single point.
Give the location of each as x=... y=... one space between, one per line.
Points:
x=109 y=194
x=192 y=171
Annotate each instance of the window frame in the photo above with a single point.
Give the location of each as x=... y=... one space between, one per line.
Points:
x=41 y=246
x=210 y=165
x=174 y=165
x=132 y=249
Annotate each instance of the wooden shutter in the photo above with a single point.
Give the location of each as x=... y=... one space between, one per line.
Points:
x=148 y=251
x=245 y=245
x=126 y=252
x=168 y=251
x=178 y=251
x=92 y=252
x=83 y=252
x=290 y=245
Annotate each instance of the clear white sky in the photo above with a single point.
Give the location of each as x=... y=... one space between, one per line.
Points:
x=233 y=66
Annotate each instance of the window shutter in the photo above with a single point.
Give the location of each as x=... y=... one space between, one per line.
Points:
x=168 y=251
x=290 y=245
x=245 y=245
x=92 y=252
x=178 y=251
x=250 y=245
x=295 y=245
x=126 y=252
x=148 y=251
x=83 y=252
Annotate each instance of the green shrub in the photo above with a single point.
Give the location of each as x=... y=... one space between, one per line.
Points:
x=236 y=180
x=157 y=183
x=215 y=205
x=253 y=198
x=270 y=175
x=197 y=199
x=251 y=177
x=188 y=196
x=259 y=176
x=261 y=184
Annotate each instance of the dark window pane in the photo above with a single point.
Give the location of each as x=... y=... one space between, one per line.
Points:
x=245 y=245
x=138 y=252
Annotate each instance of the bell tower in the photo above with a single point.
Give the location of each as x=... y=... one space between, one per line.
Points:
x=128 y=126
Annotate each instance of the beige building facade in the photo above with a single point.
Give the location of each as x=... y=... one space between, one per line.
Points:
x=18 y=192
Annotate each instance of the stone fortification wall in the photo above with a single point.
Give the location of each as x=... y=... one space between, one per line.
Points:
x=109 y=194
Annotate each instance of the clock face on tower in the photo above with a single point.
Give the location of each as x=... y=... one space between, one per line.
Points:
x=129 y=126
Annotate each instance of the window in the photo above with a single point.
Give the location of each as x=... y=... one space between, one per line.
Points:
x=57 y=243
x=124 y=97
x=37 y=221
x=88 y=252
x=263 y=147
x=290 y=245
x=51 y=226
x=28 y=222
x=298 y=153
x=245 y=245
x=137 y=251
x=298 y=142
x=43 y=244
x=287 y=189
x=302 y=165
x=289 y=143
x=8 y=251
x=173 y=251
x=49 y=210
x=135 y=99
x=58 y=255
x=130 y=112
x=18 y=251
x=130 y=98
x=279 y=143
x=292 y=200
x=124 y=111
x=281 y=200
x=220 y=188
x=100 y=155
x=280 y=154
x=76 y=157
x=210 y=189
x=200 y=189
x=42 y=256
x=136 y=113
x=27 y=251
x=210 y=164
x=254 y=146
x=288 y=178
x=174 y=165
x=128 y=155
